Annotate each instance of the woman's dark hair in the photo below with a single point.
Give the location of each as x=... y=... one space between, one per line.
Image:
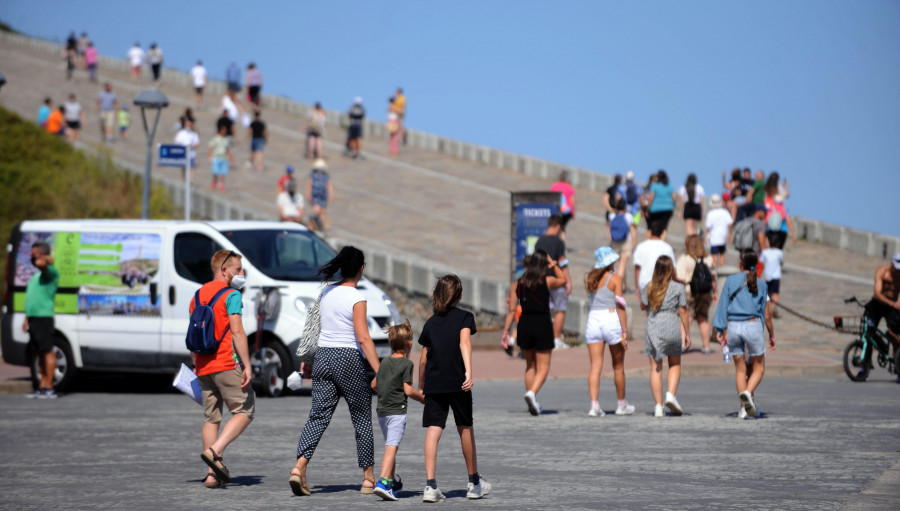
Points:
x=771 y=187
x=617 y=180
x=348 y=262
x=447 y=293
x=749 y=260
x=663 y=177
x=691 y=187
x=536 y=271
x=736 y=174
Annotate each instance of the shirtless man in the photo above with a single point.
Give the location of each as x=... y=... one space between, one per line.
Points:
x=885 y=303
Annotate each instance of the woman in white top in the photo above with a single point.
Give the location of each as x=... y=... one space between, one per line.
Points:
x=290 y=203
x=340 y=369
x=691 y=204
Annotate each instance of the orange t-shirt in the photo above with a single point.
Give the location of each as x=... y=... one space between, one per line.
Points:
x=224 y=359
x=55 y=122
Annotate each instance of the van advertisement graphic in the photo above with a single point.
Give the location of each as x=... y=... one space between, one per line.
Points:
x=111 y=271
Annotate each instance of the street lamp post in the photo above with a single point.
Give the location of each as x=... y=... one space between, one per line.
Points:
x=154 y=100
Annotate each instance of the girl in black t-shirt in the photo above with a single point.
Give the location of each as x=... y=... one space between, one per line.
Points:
x=535 y=330
x=445 y=376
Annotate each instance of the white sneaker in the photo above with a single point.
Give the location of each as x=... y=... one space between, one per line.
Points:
x=596 y=412
x=747 y=401
x=533 y=407
x=476 y=491
x=673 y=405
x=432 y=495
x=626 y=409
x=658 y=411
x=742 y=414
x=560 y=344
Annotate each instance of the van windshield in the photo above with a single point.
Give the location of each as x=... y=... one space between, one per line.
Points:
x=282 y=254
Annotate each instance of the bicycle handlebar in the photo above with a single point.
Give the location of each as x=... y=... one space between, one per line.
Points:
x=852 y=299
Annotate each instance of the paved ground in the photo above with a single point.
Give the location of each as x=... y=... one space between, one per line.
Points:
x=429 y=205
x=822 y=443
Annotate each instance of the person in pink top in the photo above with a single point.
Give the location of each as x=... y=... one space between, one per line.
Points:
x=567 y=203
x=90 y=60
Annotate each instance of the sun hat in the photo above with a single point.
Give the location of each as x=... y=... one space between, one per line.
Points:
x=715 y=201
x=320 y=164
x=605 y=256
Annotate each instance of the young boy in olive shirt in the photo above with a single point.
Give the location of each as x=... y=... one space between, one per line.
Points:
x=394 y=384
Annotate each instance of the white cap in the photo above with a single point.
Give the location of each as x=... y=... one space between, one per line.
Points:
x=629 y=176
x=896 y=261
x=357 y=100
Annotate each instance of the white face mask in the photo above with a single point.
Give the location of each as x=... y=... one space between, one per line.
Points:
x=237 y=281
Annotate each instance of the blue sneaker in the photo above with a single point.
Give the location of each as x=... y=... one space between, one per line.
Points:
x=383 y=491
x=397 y=485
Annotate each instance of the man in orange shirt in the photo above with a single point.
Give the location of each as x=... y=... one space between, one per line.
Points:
x=221 y=376
x=55 y=123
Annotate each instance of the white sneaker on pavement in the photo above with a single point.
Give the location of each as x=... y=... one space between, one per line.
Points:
x=596 y=412
x=747 y=401
x=658 y=411
x=742 y=414
x=626 y=409
x=673 y=405
x=432 y=495
x=533 y=407
x=476 y=491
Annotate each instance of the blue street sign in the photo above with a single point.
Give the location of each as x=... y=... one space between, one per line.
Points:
x=172 y=155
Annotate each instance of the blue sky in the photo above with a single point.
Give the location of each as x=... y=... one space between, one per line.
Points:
x=807 y=88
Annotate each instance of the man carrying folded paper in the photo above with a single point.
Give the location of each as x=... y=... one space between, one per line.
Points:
x=223 y=379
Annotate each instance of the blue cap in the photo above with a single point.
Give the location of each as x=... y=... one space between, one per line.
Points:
x=605 y=256
x=289 y=169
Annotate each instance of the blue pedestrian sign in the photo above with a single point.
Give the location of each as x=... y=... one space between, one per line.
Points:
x=172 y=155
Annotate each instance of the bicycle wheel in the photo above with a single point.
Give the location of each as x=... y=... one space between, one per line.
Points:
x=856 y=368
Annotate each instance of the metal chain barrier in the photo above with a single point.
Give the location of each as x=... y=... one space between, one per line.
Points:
x=841 y=330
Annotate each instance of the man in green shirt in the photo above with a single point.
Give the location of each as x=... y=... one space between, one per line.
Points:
x=39 y=297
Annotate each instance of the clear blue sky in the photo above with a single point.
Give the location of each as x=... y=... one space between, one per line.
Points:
x=807 y=88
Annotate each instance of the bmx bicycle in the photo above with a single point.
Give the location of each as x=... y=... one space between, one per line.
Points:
x=871 y=342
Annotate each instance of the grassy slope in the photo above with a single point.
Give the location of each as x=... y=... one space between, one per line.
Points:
x=42 y=176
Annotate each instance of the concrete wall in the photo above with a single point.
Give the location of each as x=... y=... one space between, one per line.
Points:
x=417 y=275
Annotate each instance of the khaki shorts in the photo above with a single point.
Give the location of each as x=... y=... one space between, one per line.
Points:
x=108 y=119
x=225 y=388
x=623 y=248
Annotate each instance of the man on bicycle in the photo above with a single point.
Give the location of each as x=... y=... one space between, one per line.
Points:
x=885 y=303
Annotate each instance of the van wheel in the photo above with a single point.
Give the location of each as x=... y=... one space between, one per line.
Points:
x=64 y=374
x=273 y=365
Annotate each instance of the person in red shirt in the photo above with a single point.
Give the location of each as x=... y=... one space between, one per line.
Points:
x=223 y=379
x=288 y=175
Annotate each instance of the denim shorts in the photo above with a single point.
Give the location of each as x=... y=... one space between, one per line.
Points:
x=393 y=427
x=257 y=144
x=220 y=167
x=749 y=333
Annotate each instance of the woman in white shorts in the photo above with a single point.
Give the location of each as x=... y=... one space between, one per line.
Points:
x=606 y=325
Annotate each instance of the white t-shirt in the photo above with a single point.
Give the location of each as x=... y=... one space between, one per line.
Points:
x=717 y=222
x=698 y=194
x=188 y=138
x=645 y=256
x=290 y=207
x=73 y=111
x=772 y=259
x=198 y=73
x=228 y=104
x=336 y=313
x=136 y=56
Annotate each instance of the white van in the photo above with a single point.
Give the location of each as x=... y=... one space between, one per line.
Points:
x=125 y=288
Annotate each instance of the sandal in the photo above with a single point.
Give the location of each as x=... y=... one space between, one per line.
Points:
x=215 y=484
x=298 y=485
x=368 y=490
x=216 y=464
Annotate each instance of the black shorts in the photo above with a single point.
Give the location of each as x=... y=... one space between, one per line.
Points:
x=535 y=332
x=313 y=134
x=354 y=132
x=253 y=91
x=198 y=90
x=565 y=221
x=692 y=211
x=41 y=332
x=660 y=216
x=876 y=309
x=774 y=286
x=437 y=407
x=717 y=249
x=74 y=125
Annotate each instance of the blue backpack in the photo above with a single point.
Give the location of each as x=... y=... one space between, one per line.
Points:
x=618 y=228
x=201 y=334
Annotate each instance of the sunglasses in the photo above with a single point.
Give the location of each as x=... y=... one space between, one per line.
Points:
x=230 y=253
